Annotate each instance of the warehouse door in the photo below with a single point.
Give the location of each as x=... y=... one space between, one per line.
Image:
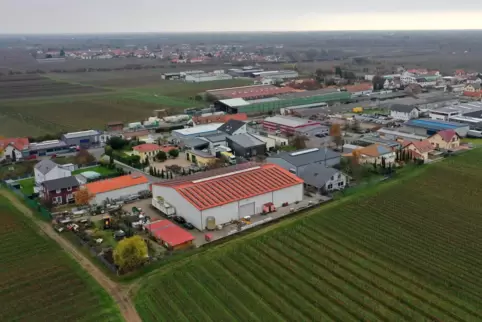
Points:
x=246 y=210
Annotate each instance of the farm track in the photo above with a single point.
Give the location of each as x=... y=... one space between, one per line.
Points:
x=115 y=290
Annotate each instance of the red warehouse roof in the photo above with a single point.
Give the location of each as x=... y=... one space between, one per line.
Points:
x=116 y=183
x=230 y=187
x=169 y=232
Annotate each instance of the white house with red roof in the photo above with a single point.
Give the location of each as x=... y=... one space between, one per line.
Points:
x=230 y=193
x=13 y=148
x=446 y=139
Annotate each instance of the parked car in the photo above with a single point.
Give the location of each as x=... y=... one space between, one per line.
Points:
x=179 y=219
x=188 y=226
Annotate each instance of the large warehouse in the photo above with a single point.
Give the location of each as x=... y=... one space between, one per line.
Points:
x=230 y=193
x=116 y=188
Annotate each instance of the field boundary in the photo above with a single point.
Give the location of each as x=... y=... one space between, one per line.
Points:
x=116 y=291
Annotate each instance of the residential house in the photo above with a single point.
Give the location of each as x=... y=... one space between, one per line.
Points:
x=446 y=139
x=473 y=90
x=375 y=153
x=404 y=112
x=297 y=161
x=47 y=170
x=408 y=78
x=233 y=127
x=246 y=145
x=13 y=148
x=421 y=149
x=60 y=191
x=324 y=179
x=150 y=150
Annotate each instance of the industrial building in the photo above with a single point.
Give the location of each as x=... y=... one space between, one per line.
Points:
x=192 y=132
x=84 y=139
x=207 y=77
x=244 y=72
x=246 y=145
x=297 y=161
x=277 y=74
x=392 y=134
x=171 y=76
x=294 y=125
x=220 y=196
x=48 y=148
x=116 y=188
x=430 y=127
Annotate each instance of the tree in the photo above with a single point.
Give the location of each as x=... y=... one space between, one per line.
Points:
x=161 y=156
x=338 y=71
x=378 y=82
x=130 y=253
x=84 y=157
x=108 y=150
x=162 y=175
x=117 y=143
x=62 y=53
x=299 y=142
x=174 y=153
x=83 y=196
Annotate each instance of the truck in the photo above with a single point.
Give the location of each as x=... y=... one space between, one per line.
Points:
x=228 y=157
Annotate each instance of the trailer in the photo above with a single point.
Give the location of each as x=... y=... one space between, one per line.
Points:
x=160 y=204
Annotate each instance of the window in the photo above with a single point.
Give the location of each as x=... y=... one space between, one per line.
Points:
x=69 y=189
x=57 y=191
x=330 y=186
x=70 y=196
x=293 y=170
x=341 y=184
x=57 y=200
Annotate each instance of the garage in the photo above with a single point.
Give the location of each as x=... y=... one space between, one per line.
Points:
x=246 y=210
x=224 y=195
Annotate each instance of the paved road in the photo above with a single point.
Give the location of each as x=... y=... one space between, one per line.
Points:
x=118 y=292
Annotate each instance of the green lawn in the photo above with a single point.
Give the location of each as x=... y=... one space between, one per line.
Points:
x=99 y=169
x=26 y=186
x=472 y=140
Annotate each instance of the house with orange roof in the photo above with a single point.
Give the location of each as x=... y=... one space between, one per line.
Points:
x=375 y=153
x=219 y=196
x=117 y=188
x=446 y=139
x=13 y=148
x=421 y=149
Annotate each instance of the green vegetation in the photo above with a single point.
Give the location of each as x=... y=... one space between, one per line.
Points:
x=26 y=186
x=103 y=171
x=476 y=141
x=403 y=250
x=39 y=282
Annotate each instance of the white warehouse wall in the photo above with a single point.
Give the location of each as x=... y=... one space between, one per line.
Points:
x=183 y=207
x=114 y=194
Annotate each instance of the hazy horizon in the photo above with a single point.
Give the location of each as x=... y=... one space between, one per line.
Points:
x=151 y=16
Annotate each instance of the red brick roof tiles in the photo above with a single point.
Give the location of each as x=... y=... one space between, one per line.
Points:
x=422 y=146
x=447 y=135
x=169 y=232
x=18 y=143
x=230 y=187
x=147 y=147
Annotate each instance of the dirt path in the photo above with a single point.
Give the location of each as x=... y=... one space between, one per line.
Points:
x=115 y=290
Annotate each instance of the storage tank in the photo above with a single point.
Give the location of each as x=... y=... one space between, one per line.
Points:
x=210 y=223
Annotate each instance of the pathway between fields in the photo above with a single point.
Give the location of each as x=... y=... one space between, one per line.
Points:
x=115 y=290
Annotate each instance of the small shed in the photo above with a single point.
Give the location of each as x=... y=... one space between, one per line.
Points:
x=170 y=235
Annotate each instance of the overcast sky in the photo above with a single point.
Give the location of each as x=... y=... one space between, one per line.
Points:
x=91 y=16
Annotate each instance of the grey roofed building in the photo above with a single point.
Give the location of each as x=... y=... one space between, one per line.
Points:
x=45 y=166
x=61 y=183
x=402 y=108
x=246 y=140
x=219 y=137
x=73 y=135
x=317 y=175
x=195 y=143
x=307 y=156
x=231 y=126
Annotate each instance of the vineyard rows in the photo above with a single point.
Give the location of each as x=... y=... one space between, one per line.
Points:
x=38 y=282
x=409 y=251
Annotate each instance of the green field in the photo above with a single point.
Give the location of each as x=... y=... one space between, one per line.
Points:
x=39 y=282
x=126 y=96
x=406 y=250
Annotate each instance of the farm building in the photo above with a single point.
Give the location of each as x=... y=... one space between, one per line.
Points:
x=297 y=161
x=229 y=194
x=196 y=131
x=246 y=145
x=116 y=188
x=430 y=127
x=170 y=235
x=293 y=125
x=48 y=148
x=84 y=139
x=249 y=92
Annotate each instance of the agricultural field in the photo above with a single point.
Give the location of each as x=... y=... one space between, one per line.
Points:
x=406 y=250
x=25 y=86
x=39 y=282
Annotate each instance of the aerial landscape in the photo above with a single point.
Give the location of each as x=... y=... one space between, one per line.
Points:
x=289 y=163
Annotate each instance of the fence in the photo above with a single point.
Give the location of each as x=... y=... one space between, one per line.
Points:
x=32 y=204
x=94 y=253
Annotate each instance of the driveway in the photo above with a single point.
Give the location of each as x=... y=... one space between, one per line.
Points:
x=180 y=161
